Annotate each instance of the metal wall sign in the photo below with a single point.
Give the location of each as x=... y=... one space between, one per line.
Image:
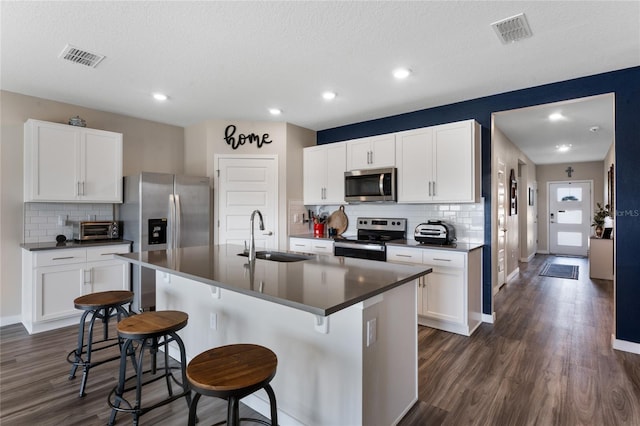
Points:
x=236 y=141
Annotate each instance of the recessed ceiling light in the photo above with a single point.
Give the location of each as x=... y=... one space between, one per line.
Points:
x=329 y=95
x=275 y=111
x=556 y=116
x=401 y=73
x=160 y=97
x=563 y=147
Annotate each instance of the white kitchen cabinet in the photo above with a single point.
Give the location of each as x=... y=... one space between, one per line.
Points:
x=450 y=297
x=64 y=163
x=311 y=245
x=323 y=170
x=601 y=258
x=371 y=153
x=52 y=279
x=439 y=164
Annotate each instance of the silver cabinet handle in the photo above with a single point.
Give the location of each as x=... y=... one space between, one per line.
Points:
x=381 y=184
x=63 y=258
x=434 y=189
x=429 y=188
x=404 y=255
x=442 y=260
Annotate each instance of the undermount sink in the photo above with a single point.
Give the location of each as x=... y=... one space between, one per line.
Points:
x=278 y=256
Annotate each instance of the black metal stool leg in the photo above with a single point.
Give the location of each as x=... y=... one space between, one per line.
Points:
x=233 y=412
x=193 y=408
x=272 y=403
x=78 y=352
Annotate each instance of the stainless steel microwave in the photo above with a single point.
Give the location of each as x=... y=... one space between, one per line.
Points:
x=370 y=185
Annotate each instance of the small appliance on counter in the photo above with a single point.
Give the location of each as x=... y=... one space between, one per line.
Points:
x=435 y=232
x=96 y=230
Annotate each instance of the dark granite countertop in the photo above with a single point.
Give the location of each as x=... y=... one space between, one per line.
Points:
x=321 y=285
x=70 y=244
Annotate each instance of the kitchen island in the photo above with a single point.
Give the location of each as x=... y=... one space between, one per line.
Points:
x=344 y=329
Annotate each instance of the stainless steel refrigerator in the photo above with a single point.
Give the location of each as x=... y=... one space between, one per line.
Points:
x=162 y=211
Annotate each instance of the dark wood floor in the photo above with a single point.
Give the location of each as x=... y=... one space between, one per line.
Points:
x=546 y=361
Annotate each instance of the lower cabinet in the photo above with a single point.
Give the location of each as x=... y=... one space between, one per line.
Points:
x=311 y=245
x=52 y=279
x=449 y=298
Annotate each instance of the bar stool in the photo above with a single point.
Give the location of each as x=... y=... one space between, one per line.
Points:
x=102 y=305
x=232 y=372
x=148 y=331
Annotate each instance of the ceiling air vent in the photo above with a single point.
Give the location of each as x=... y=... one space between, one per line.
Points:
x=79 y=56
x=512 y=29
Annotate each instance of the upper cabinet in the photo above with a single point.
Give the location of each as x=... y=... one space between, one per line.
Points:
x=324 y=168
x=64 y=163
x=439 y=164
x=372 y=152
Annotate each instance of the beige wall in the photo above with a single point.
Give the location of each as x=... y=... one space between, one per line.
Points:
x=546 y=173
x=204 y=141
x=147 y=146
x=520 y=227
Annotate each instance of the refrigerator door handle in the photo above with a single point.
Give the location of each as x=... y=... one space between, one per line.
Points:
x=178 y=222
x=172 y=223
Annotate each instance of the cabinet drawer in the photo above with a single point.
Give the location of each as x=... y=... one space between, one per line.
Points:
x=299 y=244
x=59 y=257
x=106 y=252
x=404 y=255
x=443 y=258
x=325 y=247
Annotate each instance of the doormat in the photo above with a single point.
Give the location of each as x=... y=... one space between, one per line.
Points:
x=560 y=271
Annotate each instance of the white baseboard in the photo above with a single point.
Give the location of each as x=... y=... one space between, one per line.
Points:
x=489 y=318
x=543 y=251
x=528 y=258
x=513 y=274
x=8 y=320
x=625 y=345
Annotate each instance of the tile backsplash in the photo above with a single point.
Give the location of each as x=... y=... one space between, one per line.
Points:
x=468 y=219
x=43 y=221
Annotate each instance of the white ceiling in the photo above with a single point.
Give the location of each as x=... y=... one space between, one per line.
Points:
x=234 y=60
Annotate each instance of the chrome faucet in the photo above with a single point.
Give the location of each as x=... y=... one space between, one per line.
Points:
x=252 y=241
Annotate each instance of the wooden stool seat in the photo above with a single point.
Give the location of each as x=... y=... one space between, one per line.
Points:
x=152 y=324
x=103 y=299
x=103 y=306
x=142 y=333
x=232 y=372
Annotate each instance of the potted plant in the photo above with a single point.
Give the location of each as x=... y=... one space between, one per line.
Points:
x=599 y=217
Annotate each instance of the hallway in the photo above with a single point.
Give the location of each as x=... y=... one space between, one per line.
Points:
x=546 y=361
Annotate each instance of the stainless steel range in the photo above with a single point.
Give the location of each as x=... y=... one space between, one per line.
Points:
x=373 y=233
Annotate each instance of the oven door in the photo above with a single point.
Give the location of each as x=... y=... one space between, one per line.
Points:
x=360 y=250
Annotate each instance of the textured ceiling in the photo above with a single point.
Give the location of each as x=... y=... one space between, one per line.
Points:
x=234 y=60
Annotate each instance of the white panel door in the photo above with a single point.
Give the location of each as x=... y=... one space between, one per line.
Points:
x=569 y=217
x=245 y=184
x=454 y=161
x=501 y=225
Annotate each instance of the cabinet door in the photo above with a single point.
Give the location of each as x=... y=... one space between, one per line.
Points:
x=322 y=246
x=106 y=275
x=414 y=153
x=383 y=150
x=55 y=289
x=359 y=154
x=314 y=174
x=444 y=298
x=51 y=158
x=454 y=165
x=101 y=166
x=336 y=165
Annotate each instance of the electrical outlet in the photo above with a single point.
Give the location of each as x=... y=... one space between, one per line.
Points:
x=213 y=321
x=371 y=332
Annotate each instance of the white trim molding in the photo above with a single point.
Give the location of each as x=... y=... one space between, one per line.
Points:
x=514 y=274
x=625 y=345
x=9 y=320
x=489 y=318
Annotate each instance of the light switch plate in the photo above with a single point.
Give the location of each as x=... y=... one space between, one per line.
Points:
x=371 y=332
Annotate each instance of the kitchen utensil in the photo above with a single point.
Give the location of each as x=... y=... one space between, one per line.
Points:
x=318 y=229
x=338 y=220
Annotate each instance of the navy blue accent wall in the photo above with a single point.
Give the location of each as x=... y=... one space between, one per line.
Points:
x=626 y=86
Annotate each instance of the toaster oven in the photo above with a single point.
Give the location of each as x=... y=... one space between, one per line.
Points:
x=435 y=232
x=96 y=230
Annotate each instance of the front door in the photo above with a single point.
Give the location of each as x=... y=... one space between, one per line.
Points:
x=247 y=183
x=569 y=217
